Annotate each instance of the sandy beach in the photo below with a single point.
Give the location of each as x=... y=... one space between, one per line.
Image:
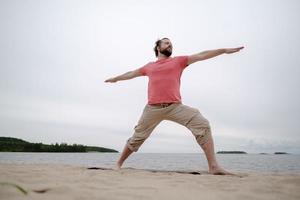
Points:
x=52 y=181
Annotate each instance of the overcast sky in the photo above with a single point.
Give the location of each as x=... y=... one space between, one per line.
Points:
x=56 y=54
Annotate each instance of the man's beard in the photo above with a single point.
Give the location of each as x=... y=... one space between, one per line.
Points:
x=166 y=52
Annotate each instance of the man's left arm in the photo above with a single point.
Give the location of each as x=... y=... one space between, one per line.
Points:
x=211 y=53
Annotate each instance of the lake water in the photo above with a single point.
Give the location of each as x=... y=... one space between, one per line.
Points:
x=286 y=163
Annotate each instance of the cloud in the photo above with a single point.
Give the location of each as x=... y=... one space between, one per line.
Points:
x=53 y=67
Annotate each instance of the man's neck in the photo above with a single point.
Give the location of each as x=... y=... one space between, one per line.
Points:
x=161 y=57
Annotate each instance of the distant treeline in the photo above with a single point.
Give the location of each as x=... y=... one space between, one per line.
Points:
x=9 y=144
x=232 y=152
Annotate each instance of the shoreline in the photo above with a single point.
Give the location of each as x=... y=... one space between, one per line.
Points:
x=52 y=181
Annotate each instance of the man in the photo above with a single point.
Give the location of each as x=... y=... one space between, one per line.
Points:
x=164 y=101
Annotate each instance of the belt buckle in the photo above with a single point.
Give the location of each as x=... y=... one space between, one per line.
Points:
x=164 y=105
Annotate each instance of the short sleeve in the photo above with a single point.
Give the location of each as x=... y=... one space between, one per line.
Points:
x=143 y=70
x=183 y=61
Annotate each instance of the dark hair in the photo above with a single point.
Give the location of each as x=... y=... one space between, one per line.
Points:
x=157 y=43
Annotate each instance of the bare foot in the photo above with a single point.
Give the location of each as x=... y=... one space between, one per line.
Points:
x=219 y=171
x=117 y=167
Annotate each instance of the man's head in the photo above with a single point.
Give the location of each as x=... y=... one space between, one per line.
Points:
x=163 y=46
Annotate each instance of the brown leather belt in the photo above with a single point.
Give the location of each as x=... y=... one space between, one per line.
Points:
x=162 y=105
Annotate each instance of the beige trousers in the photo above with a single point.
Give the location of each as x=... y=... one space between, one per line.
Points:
x=185 y=115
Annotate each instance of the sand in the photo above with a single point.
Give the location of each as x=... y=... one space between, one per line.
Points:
x=52 y=181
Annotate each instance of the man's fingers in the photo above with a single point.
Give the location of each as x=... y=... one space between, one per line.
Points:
x=111 y=80
x=236 y=49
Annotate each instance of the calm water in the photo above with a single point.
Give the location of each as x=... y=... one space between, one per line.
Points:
x=242 y=162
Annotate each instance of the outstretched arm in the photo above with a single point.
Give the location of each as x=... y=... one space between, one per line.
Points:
x=125 y=76
x=210 y=54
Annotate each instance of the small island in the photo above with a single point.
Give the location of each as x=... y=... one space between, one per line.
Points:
x=280 y=152
x=9 y=144
x=231 y=152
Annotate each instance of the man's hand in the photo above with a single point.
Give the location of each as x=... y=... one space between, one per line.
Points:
x=111 y=80
x=233 y=50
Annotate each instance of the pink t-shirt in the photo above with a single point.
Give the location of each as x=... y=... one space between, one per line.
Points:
x=164 y=79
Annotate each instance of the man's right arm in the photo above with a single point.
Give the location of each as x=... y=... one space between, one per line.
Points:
x=125 y=76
